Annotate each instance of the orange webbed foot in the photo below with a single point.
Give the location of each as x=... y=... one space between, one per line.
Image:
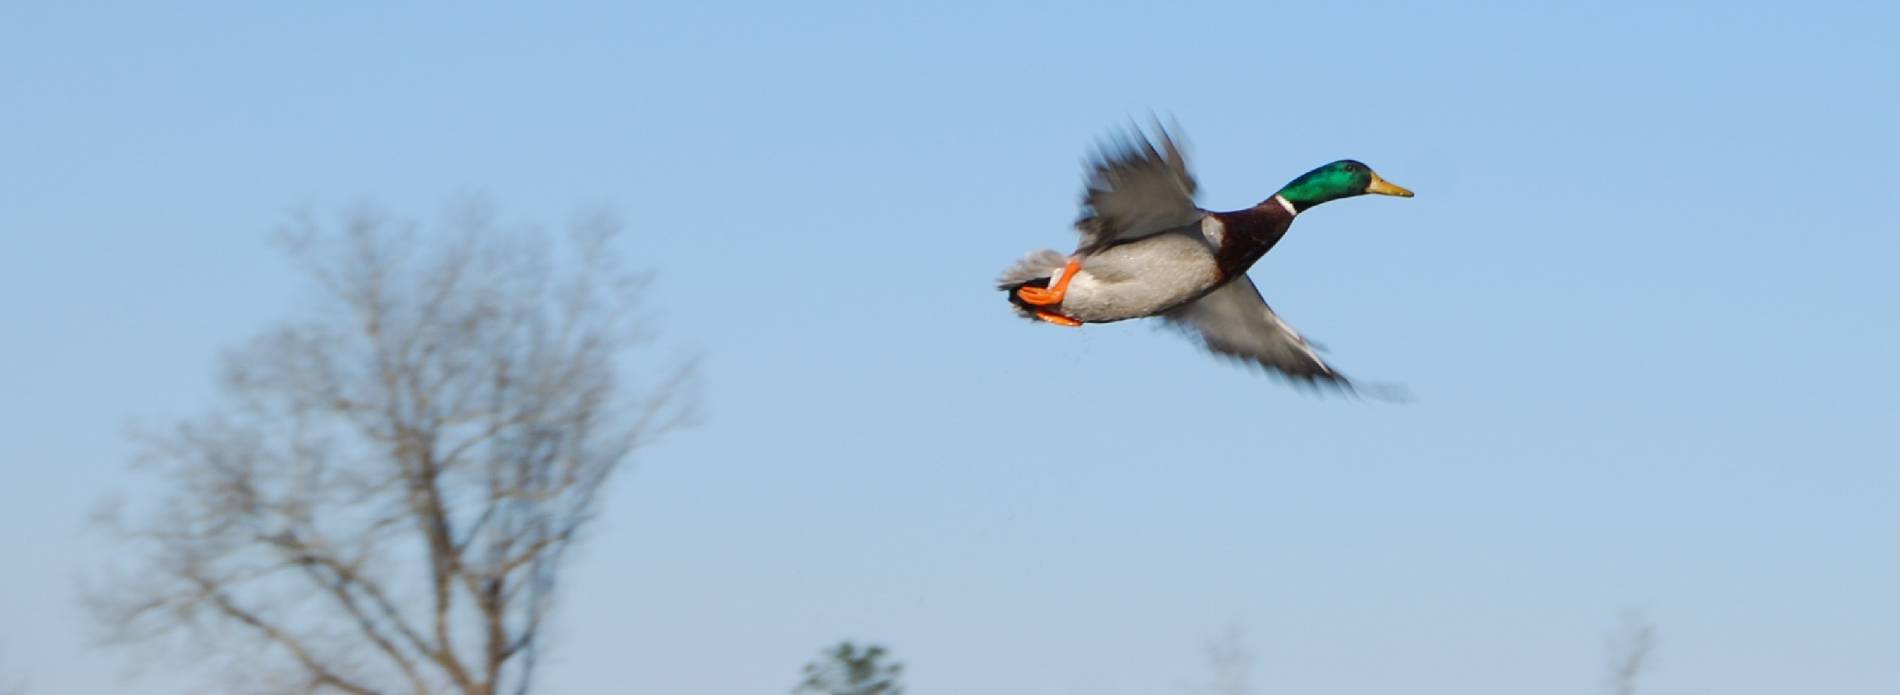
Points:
x=1052 y=296
x=1057 y=319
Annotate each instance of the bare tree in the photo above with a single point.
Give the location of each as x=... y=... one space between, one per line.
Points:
x=1630 y=654
x=387 y=494
x=11 y=687
x=848 y=670
x=1231 y=663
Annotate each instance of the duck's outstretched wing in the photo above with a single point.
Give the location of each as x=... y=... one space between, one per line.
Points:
x=1234 y=321
x=1135 y=189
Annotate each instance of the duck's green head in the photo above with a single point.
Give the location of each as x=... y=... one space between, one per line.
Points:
x=1342 y=179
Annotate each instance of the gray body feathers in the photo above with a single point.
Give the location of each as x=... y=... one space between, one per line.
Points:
x=1127 y=281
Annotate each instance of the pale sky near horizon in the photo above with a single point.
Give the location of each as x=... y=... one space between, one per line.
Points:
x=1645 y=302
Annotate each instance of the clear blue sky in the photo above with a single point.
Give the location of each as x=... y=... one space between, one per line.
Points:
x=1645 y=298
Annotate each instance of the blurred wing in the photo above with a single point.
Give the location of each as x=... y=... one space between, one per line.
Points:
x=1134 y=190
x=1234 y=321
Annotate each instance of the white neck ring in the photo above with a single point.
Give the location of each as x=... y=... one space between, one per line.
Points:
x=1284 y=203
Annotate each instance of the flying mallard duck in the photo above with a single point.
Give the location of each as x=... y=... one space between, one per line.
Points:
x=1148 y=250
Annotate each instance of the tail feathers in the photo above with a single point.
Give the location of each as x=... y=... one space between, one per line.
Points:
x=1034 y=269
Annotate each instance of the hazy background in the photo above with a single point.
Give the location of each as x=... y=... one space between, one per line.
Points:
x=1645 y=300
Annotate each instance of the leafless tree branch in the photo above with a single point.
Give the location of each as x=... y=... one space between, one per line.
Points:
x=1231 y=663
x=1630 y=654
x=9 y=687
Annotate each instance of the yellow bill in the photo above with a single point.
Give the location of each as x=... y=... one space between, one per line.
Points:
x=1384 y=187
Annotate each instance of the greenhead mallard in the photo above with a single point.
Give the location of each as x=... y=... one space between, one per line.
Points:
x=1147 y=249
